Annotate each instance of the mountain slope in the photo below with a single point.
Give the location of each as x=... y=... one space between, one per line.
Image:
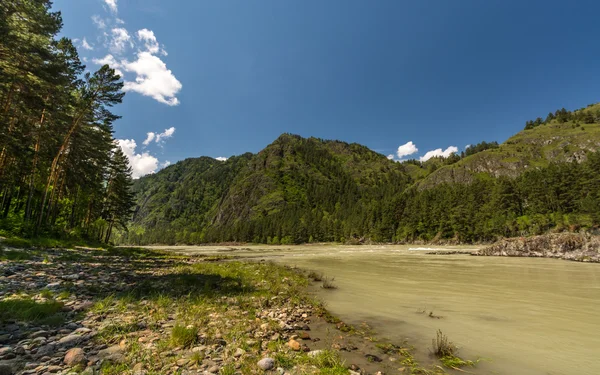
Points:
x=529 y=149
x=176 y=202
x=295 y=190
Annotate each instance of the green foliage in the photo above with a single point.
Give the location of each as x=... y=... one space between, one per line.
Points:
x=60 y=173
x=557 y=197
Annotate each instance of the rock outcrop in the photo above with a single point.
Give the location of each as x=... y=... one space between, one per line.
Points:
x=569 y=246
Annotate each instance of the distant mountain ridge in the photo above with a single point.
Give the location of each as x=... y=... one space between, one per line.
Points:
x=307 y=189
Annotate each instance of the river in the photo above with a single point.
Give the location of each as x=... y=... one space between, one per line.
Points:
x=525 y=316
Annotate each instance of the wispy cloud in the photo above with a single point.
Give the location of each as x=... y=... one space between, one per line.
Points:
x=99 y=22
x=112 y=5
x=158 y=137
x=86 y=45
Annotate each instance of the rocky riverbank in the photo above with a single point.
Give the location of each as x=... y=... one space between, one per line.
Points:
x=140 y=312
x=569 y=246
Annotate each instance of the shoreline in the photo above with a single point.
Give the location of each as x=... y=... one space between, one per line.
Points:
x=135 y=311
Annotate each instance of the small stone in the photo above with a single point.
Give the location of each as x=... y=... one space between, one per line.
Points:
x=294 y=345
x=138 y=369
x=214 y=369
x=239 y=352
x=113 y=353
x=70 y=340
x=266 y=364
x=74 y=357
x=38 y=334
x=46 y=350
x=314 y=353
x=182 y=362
x=304 y=335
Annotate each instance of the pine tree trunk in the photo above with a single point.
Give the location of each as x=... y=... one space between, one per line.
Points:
x=33 y=169
x=55 y=165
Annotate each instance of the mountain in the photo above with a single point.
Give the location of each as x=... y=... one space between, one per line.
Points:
x=296 y=190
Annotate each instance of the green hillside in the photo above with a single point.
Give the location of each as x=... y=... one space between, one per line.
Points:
x=176 y=203
x=554 y=141
x=295 y=190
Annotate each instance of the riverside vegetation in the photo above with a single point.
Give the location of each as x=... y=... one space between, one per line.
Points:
x=134 y=311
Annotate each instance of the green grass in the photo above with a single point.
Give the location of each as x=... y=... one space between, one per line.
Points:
x=28 y=310
x=114 y=332
x=184 y=336
x=14 y=255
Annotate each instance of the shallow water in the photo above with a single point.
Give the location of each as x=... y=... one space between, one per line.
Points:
x=526 y=315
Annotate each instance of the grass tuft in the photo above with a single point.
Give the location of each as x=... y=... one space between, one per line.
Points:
x=442 y=347
x=28 y=310
x=315 y=276
x=328 y=283
x=182 y=336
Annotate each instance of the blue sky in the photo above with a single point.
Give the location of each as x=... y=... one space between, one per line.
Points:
x=221 y=78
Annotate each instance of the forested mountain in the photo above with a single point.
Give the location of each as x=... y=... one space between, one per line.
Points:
x=295 y=190
x=300 y=190
x=61 y=173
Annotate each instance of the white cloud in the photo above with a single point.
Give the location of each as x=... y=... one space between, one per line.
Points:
x=153 y=79
x=141 y=164
x=119 y=21
x=390 y=156
x=99 y=22
x=221 y=158
x=149 y=138
x=120 y=40
x=439 y=152
x=165 y=164
x=158 y=137
x=147 y=36
x=467 y=146
x=168 y=133
x=406 y=149
x=112 y=4
x=86 y=45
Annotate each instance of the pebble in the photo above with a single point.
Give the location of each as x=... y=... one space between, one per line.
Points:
x=294 y=345
x=74 y=357
x=266 y=364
